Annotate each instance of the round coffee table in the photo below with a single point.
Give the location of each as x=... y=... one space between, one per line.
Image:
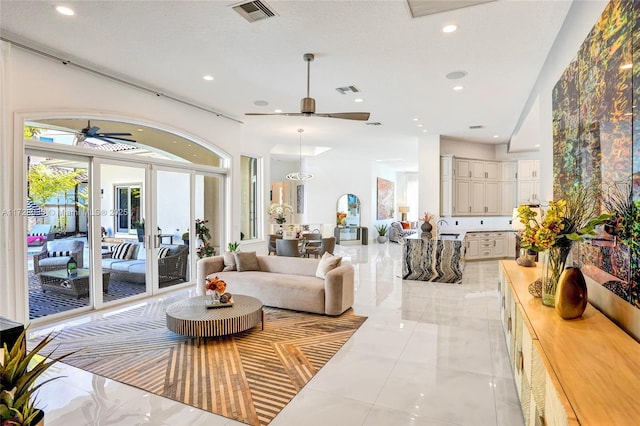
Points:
x=190 y=317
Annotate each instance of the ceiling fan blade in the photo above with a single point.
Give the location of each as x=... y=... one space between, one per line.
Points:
x=290 y=114
x=118 y=138
x=108 y=135
x=360 y=116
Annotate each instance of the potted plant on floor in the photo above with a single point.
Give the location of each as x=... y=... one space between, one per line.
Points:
x=185 y=238
x=19 y=371
x=382 y=233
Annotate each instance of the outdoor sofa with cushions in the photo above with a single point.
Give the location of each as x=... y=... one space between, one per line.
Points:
x=55 y=255
x=127 y=261
x=40 y=234
x=284 y=282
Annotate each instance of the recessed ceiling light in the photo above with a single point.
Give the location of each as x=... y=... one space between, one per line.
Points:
x=458 y=88
x=419 y=125
x=64 y=10
x=188 y=144
x=415 y=119
x=449 y=28
x=140 y=130
x=208 y=77
x=277 y=110
x=260 y=103
x=175 y=141
x=537 y=145
x=496 y=136
x=424 y=131
x=626 y=66
x=358 y=100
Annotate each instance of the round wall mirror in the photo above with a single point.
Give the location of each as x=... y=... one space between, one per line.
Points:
x=348 y=210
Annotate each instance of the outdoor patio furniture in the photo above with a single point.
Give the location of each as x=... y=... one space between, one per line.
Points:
x=55 y=255
x=77 y=286
x=172 y=263
x=39 y=234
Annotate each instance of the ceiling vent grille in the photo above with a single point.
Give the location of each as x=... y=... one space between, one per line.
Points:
x=344 y=90
x=373 y=123
x=477 y=126
x=420 y=8
x=254 y=10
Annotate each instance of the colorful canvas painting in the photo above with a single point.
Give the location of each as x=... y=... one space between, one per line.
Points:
x=593 y=143
x=385 y=199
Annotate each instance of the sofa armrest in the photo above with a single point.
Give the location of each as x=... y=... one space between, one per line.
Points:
x=339 y=289
x=206 y=266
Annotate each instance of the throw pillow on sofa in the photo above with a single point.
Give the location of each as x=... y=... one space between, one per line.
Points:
x=327 y=263
x=122 y=251
x=229 y=261
x=246 y=261
x=163 y=252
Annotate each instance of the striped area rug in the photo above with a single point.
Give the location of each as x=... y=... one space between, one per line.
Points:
x=249 y=376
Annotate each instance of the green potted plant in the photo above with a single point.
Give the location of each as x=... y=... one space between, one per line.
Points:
x=382 y=233
x=185 y=238
x=19 y=371
x=233 y=246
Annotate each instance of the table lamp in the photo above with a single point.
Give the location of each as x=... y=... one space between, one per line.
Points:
x=404 y=210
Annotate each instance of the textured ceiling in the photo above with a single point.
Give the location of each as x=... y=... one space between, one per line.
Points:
x=398 y=62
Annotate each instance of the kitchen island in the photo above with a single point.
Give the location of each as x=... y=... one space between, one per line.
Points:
x=427 y=257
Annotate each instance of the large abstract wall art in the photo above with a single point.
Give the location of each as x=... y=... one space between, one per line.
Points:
x=595 y=142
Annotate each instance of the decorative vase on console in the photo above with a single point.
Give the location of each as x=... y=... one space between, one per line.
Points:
x=553 y=265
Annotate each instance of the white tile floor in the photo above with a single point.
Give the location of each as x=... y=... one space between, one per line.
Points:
x=429 y=354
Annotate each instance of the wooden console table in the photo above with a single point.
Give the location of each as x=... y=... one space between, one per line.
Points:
x=578 y=372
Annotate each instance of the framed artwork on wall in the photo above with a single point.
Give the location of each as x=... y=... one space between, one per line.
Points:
x=385 y=200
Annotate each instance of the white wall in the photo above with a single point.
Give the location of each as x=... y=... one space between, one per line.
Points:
x=429 y=174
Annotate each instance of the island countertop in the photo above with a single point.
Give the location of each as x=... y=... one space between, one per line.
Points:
x=428 y=258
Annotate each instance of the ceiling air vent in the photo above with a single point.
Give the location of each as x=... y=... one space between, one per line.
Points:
x=373 y=123
x=344 y=90
x=254 y=10
x=478 y=126
x=420 y=8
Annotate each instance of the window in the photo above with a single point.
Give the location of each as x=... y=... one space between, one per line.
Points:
x=128 y=207
x=249 y=197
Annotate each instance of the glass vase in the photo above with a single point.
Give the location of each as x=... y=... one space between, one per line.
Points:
x=553 y=264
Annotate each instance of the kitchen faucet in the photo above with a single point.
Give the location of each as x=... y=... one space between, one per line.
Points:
x=440 y=222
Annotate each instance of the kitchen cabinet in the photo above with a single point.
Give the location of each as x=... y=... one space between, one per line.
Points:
x=508 y=200
x=528 y=182
x=509 y=171
x=485 y=245
x=446 y=185
x=466 y=168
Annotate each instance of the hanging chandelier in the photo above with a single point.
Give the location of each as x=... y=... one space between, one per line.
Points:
x=300 y=175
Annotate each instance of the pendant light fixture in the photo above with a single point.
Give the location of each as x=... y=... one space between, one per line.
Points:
x=300 y=175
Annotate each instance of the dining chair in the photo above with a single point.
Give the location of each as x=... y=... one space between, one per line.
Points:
x=328 y=245
x=288 y=248
x=272 y=243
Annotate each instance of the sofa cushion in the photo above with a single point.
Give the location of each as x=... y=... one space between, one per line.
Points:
x=246 y=261
x=229 y=261
x=59 y=253
x=122 y=251
x=286 y=291
x=108 y=262
x=126 y=266
x=54 y=261
x=163 y=252
x=327 y=263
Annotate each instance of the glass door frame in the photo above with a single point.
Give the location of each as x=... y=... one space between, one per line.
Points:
x=89 y=262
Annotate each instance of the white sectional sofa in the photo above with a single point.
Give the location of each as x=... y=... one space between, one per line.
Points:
x=286 y=282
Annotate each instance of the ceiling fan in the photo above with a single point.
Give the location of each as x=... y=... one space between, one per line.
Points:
x=308 y=104
x=92 y=132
